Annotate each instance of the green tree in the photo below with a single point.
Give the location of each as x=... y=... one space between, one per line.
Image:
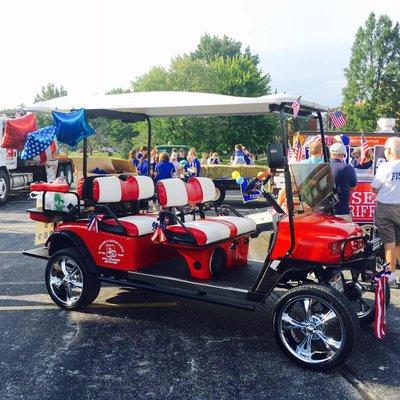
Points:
x=373 y=75
x=48 y=92
x=217 y=66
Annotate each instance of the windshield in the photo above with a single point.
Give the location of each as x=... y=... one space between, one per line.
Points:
x=312 y=183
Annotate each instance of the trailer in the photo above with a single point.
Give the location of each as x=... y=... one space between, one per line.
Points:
x=17 y=174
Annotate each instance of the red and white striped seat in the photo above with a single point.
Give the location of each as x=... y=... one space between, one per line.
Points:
x=212 y=230
x=136 y=225
x=175 y=193
x=112 y=189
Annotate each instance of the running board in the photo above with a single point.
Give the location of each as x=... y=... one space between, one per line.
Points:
x=194 y=291
x=37 y=252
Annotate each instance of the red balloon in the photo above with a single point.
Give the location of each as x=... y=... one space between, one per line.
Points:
x=16 y=131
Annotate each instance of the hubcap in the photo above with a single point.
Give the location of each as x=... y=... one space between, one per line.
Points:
x=311 y=330
x=3 y=188
x=66 y=280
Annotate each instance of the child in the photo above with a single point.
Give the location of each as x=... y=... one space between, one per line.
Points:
x=238 y=155
x=164 y=169
x=133 y=159
x=204 y=159
x=143 y=167
x=214 y=160
x=194 y=164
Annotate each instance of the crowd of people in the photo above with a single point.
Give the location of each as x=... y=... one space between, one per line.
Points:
x=386 y=186
x=182 y=163
x=163 y=166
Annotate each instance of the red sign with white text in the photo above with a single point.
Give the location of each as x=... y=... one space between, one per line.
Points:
x=372 y=141
x=362 y=203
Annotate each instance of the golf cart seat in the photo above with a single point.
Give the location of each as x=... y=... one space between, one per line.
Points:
x=209 y=245
x=113 y=189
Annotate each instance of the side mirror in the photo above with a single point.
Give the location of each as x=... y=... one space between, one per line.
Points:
x=276 y=158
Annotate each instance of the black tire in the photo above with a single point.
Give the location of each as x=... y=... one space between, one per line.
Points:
x=365 y=317
x=219 y=195
x=218 y=262
x=345 y=317
x=90 y=282
x=4 y=187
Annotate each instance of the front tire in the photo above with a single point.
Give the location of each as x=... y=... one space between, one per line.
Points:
x=69 y=282
x=4 y=187
x=315 y=326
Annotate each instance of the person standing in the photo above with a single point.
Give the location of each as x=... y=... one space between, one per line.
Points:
x=315 y=154
x=143 y=167
x=345 y=179
x=386 y=185
x=164 y=169
x=194 y=163
x=133 y=159
x=238 y=155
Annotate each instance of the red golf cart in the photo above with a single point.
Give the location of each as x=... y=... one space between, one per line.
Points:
x=104 y=233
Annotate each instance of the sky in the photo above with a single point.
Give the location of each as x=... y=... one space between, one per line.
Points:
x=91 y=46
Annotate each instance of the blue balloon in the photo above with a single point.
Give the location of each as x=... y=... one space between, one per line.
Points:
x=240 y=180
x=345 y=139
x=72 y=127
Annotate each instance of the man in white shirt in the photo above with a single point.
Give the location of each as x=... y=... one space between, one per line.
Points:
x=387 y=211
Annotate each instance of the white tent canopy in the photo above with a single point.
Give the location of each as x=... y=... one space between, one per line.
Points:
x=173 y=104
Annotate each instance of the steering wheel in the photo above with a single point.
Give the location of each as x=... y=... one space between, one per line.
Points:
x=255 y=182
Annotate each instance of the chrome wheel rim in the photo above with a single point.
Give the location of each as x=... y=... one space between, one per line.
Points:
x=361 y=296
x=3 y=188
x=66 y=280
x=311 y=330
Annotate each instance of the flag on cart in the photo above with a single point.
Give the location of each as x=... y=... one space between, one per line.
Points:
x=296 y=107
x=93 y=222
x=381 y=280
x=338 y=120
x=364 y=148
x=47 y=154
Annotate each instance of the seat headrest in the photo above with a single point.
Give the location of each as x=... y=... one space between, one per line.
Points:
x=172 y=193
x=200 y=190
x=175 y=193
x=113 y=189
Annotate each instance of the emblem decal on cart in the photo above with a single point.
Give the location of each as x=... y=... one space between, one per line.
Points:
x=111 y=251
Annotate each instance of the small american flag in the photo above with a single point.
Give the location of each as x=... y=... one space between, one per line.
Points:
x=296 y=107
x=338 y=119
x=364 y=148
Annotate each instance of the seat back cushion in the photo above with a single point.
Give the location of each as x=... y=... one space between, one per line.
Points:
x=200 y=190
x=172 y=193
x=111 y=189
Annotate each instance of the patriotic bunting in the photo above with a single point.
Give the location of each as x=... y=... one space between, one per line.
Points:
x=381 y=280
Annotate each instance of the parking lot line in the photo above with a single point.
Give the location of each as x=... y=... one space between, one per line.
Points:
x=98 y=306
x=11 y=251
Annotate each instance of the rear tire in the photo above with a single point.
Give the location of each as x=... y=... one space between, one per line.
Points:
x=4 y=187
x=322 y=334
x=69 y=281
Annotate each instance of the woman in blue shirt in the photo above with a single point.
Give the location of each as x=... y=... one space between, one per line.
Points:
x=143 y=167
x=164 y=169
x=133 y=158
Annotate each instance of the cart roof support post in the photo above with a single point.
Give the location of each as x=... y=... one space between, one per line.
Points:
x=85 y=155
x=288 y=179
x=148 y=143
x=322 y=133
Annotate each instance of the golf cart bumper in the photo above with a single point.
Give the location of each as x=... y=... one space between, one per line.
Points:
x=37 y=252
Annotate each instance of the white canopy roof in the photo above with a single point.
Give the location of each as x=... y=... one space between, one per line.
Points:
x=172 y=104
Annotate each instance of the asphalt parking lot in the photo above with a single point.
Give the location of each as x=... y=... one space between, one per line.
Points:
x=132 y=344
